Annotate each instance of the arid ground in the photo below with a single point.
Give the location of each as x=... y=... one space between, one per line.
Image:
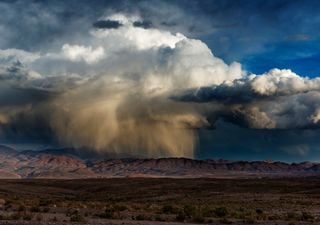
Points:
x=161 y=201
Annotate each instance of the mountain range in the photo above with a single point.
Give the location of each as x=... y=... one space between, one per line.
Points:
x=76 y=164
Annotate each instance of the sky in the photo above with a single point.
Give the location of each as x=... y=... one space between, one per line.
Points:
x=225 y=79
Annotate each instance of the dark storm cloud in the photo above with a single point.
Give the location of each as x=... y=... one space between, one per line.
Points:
x=226 y=93
x=89 y=88
x=16 y=96
x=49 y=23
x=107 y=24
x=232 y=28
x=278 y=99
x=143 y=24
x=229 y=141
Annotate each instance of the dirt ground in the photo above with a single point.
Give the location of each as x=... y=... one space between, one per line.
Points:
x=265 y=201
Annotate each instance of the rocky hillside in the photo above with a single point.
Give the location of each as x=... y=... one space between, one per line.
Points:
x=67 y=163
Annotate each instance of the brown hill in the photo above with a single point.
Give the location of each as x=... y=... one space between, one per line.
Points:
x=56 y=164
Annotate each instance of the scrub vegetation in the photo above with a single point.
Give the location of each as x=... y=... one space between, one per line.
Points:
x=161 y=201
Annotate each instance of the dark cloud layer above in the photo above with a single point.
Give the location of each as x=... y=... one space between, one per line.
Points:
x=158 y=78
x=107 y=24
x=235 y=30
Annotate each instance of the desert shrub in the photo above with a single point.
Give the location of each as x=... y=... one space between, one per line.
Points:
x=8 y=202
x=46 y=209
x=3 y=217
x=291 y=223
x=249 y=221
x=7 y=206
x=35 y=209
x=259 y=211
x=21 y=208
x=293 y=216
x=45 y=202
x=77 y=218
x=15 y=216
x=108 y=214
x=158 y=218
x=111 y=213
x=167 y=209
x=181 y=216
x=189 y=211
x=261 y=215
x=206 y=211
x=196 y=213
x=221 y=211
x=70 y=212
x=140 y=217
x=225 y=221
x=274 y=217
x=27 y=216
x=119 y=208
x=2 y=201
x=306 y=216
x=199 y=219
x=39 y=217
x=54 y=219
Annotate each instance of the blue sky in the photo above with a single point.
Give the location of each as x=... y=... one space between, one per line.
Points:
x=267 y=34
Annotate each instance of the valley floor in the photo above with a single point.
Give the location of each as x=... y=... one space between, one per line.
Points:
x=129 y=201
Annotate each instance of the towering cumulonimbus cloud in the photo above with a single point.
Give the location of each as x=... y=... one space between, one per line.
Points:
x=113 y=92
x=133 y=89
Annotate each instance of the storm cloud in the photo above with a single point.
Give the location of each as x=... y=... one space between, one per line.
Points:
x=111 y=97
x=278 y=99
x=107 y=24
x=132 y=80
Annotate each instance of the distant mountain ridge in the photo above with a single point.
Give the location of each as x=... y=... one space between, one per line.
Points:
x=69 y=164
